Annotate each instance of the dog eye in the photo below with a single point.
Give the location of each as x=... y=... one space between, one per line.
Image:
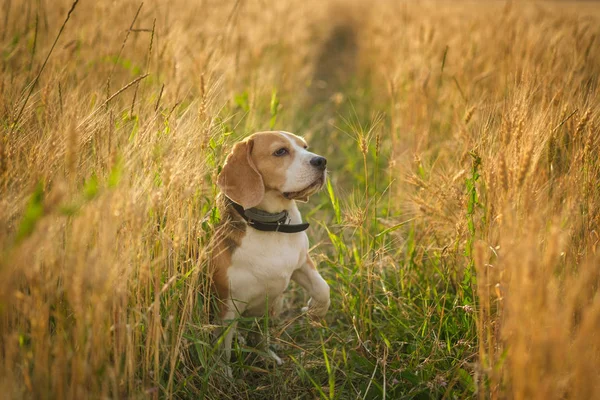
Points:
x=281 y=152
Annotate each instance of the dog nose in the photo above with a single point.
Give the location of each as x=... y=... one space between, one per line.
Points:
x=319 y=162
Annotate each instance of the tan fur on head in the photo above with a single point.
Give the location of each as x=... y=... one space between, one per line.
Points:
x=239 y=179
x=270 y=169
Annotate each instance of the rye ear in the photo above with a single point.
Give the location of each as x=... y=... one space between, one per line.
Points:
x=239 y=179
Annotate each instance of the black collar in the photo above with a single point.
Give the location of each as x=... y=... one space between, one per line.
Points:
x=268 y=224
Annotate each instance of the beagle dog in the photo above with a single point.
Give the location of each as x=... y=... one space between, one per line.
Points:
x=260 y=243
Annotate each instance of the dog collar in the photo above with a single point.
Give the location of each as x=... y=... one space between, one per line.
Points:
x=267 y=222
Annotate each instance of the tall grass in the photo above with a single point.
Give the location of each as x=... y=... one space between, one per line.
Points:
x=459 y=231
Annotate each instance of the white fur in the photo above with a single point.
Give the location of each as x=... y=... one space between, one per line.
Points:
x=263 y=266
x=301 y=173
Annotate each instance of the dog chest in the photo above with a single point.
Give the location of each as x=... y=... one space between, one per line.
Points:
x=264 y=263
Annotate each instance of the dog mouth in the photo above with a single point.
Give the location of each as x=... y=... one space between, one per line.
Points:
x=307 y=191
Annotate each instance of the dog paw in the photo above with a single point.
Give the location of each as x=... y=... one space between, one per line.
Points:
x=241 y=339
x=316 y=309
x=275 y=357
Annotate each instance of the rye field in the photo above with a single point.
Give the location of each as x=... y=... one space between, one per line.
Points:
x=459 y=229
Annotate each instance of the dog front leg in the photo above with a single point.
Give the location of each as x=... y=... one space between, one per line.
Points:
x=309 y=278
x=229 y=317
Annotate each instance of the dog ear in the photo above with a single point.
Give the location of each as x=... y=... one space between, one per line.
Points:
x=239 y=179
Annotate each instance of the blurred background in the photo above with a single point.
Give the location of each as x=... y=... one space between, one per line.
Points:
x=458 y=231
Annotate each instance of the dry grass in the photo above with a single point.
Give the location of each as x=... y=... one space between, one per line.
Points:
x=460 y=234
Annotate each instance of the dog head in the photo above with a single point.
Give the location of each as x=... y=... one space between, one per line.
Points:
x=271 y=161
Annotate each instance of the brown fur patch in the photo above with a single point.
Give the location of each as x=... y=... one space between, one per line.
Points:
x=239 y=179
x=227 y=238
x=270 y=167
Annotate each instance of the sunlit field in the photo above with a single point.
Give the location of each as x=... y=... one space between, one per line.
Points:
x=459 y=229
